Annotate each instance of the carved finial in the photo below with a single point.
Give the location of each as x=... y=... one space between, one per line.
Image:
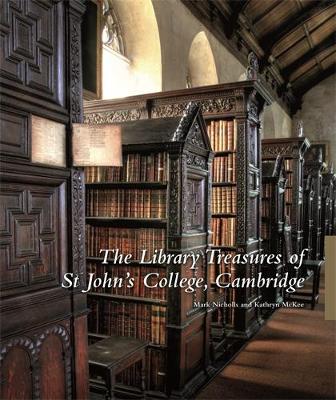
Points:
x=299 y=128
x=187 y=118
x=252 y=67
x=188 y=81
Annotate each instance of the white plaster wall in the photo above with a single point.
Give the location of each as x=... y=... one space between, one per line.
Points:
x=318 y=114
x=142 y=48
x=165 y=67
x=201 y=73
x=178 y=28
x=267 y=123
x=275 y=122
x=282 y=121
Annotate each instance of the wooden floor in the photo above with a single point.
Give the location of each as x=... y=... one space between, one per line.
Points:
x=292 y=357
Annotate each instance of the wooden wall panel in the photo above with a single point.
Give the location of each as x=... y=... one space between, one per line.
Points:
x=14 y=133
x=30 y=45
x=40 y=240
x=81 y=356
x=31 y=220
x=194 y=352
x=52 y=380
x=17 y=377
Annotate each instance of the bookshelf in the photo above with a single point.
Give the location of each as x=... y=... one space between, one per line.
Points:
x=157 y=200
x=232 y=113
x=292 y=150
x=333 y=224
x=308 y=214
x=313 y=174
x=272 y=222
x=326 y=206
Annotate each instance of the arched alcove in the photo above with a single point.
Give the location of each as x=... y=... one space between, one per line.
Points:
x=139 y=69
x=201 y=63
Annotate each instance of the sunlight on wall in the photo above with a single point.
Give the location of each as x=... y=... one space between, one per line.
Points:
x=201 y=63
x=117 y=75
x=141 y=71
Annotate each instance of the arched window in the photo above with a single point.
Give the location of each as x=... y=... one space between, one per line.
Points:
x=111 y=35
x=131 y=50
x=115 y=65
x=201 y=63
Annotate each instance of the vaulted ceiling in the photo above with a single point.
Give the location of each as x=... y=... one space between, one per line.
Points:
x=294 y=40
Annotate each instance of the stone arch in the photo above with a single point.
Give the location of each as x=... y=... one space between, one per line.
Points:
x=139 y=70
x=202 y=69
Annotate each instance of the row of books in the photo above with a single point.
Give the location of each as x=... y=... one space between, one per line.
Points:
x=224 y=200
x=267 y=190
x=130 y=376
x=224 y=231
x=120 y=275
x=288 y=195
x=224 y=168
x=128 y=241
x=252 y=290
x=224 y=316
x=265 y=208
x=223 y=135
x=126 y=203
x=288 y=211
x=265 y=233
x=136 y=168
x=288 y=165
x=142 y=321
x=230 y=312
x=217 y=269
x=155 y=372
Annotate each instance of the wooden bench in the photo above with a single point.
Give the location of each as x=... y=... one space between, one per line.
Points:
x=111 y=356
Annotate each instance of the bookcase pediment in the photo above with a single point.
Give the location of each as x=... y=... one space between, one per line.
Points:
x=171 y=131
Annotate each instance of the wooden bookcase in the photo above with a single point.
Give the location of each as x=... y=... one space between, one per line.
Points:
x=327 y=207
x=333 y=223
x=292 y=150
x=308 y=214
x=239 y=104
x=159 y=199
x=313 y=174
x=43 y=326
x=272 y=222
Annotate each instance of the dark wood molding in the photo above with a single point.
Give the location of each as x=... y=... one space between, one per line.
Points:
x=271 y=7
x=237 y=8
x=269 y=40
x=216 y=24
x=41 y=239
x=233 y=24
x=314 y=52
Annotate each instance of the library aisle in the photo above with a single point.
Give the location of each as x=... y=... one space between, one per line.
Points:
x=291 y=357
